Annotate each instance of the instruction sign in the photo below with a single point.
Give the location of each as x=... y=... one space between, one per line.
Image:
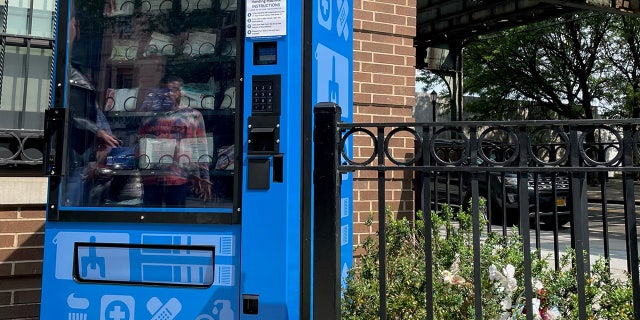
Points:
x=266 y=18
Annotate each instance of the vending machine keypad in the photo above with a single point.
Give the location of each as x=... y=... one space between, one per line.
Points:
x=265 y=95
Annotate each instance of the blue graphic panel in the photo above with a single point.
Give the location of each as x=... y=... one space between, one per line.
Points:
x=149 y=264
x=177 y=259
x=333 y=82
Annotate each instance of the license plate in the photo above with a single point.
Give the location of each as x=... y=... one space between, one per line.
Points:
x=561 y=202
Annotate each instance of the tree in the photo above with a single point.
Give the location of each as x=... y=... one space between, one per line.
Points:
x=623 y=53
x=554 y=69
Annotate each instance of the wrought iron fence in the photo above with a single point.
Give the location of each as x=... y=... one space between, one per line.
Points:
x=561 y=180
x=21 y=151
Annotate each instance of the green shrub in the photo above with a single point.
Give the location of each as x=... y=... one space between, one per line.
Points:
x=502 y=278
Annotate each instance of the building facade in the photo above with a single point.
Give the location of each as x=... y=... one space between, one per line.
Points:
x=384 y=91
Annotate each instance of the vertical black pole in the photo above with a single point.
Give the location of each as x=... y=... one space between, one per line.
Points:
x=525 y=227
x=630 y=224
x=326 y=216
x=382 y=227
x=579 y=222
x=425 y=206
x=475 y=216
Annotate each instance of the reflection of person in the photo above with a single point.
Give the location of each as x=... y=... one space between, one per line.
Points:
x=161 y=99
x=178 y=122
x=88 y=130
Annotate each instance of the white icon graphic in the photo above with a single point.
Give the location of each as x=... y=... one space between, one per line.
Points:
x=224 y=244
x=345 y=210
x=64 y=242
x=344 y=235
x=343 y=14
x=92 y=266
x=167 y=311
x=324 y=13
x=332 y=78
x=221 y=309
x=78 y=307
x=177 y=273
x=224 y=275
x=344 y=274
x=187 y=266
x=115 y=307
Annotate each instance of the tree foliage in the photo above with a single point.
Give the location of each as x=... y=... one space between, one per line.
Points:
x=623 y=53
x=566 y=67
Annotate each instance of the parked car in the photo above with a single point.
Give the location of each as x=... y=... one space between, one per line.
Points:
x=501 y=192
x=500 y=189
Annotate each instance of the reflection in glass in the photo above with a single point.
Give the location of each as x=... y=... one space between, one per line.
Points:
x=17 y=20
x=42 y=23
x=152 y=104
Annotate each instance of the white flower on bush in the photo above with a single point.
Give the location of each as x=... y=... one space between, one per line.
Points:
x=553 y=314
x=596 y=302
x=455 y=266
x=537 y=285
x=506 y=282
x=535 y=302
x=511 y=283
x=452 y=278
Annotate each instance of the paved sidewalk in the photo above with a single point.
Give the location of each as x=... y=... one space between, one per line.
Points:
x=615 y=214
x=614 y=191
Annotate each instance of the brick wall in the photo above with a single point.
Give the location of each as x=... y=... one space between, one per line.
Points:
x=21 y=249
x=384 y=91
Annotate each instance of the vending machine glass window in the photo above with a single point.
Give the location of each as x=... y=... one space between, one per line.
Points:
x=151 y=101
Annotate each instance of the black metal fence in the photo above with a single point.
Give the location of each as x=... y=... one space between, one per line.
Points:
x=569 y=181
x=21 y=152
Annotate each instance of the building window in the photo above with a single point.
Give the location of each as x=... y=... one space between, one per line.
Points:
x=26 y=58
x=34 y=18
x=26 y=84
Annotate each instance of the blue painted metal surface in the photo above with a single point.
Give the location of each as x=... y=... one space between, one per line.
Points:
x=124 y=262
x=164 y=283
x=333 y=82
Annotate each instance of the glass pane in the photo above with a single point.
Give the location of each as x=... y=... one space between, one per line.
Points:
x=161 y=130
x=17 y=17
x=42 y=24
x=38 y=86
x=12 y=105
x=42 y=20
x=13 y=78
x=43 y=13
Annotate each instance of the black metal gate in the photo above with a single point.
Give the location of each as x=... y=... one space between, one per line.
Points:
x=539 y=175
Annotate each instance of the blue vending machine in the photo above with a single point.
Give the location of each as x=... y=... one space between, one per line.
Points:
x=179 y=155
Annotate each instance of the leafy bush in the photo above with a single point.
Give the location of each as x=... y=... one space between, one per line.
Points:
x=502 y=278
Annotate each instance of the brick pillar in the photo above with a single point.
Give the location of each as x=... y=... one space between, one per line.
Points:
x=384 y=91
